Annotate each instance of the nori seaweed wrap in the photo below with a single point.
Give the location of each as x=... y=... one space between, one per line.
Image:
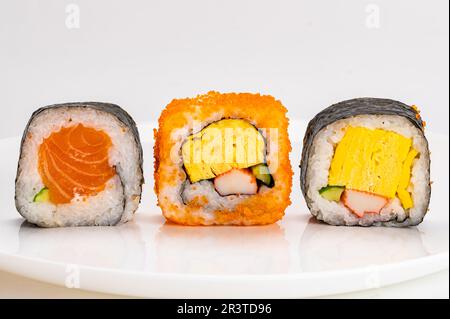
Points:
x=80 y=164
x=366 y=162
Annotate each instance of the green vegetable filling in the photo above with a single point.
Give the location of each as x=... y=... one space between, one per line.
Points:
x=332 y=193
x=43 y=196
x=262 y=173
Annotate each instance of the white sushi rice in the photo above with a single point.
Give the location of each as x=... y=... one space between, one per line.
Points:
x=121 y=197
x=392 y=214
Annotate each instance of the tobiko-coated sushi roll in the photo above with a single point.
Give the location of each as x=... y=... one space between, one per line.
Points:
x=366 y=162
x=223 y=159
x=80 y=165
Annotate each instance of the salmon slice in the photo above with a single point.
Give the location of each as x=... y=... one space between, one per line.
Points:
x=75 y=161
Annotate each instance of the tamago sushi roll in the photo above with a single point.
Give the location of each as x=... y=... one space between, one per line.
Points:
x=223 y=159
x=366 y=162
x=80 y=165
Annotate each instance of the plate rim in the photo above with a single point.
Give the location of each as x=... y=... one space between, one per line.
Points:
x=290 y=285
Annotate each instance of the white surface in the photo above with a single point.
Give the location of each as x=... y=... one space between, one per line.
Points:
x=142 y=54
x=296 y=257
x=431 y=286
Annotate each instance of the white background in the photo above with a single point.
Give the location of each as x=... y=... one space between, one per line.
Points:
x=141 y=54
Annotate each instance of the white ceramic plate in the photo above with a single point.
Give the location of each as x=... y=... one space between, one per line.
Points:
x=296 y=257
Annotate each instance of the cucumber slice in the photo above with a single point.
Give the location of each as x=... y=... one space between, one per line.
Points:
x=332 y=193
x=262 y=173
x=43 y=196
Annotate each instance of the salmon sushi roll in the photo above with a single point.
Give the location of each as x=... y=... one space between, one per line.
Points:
x=223 y=159
x=366 y=162
x=80 y=165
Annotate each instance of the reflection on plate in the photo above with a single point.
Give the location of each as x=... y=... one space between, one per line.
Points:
x=357 y=246
x=222 y=250
x=114 y=247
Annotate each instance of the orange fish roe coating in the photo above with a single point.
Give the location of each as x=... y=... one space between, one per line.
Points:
x=416 y=109
x=263 y=111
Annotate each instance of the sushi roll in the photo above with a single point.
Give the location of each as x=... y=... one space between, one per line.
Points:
x=366 y=162
x=80 y=165
x=223 y=159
